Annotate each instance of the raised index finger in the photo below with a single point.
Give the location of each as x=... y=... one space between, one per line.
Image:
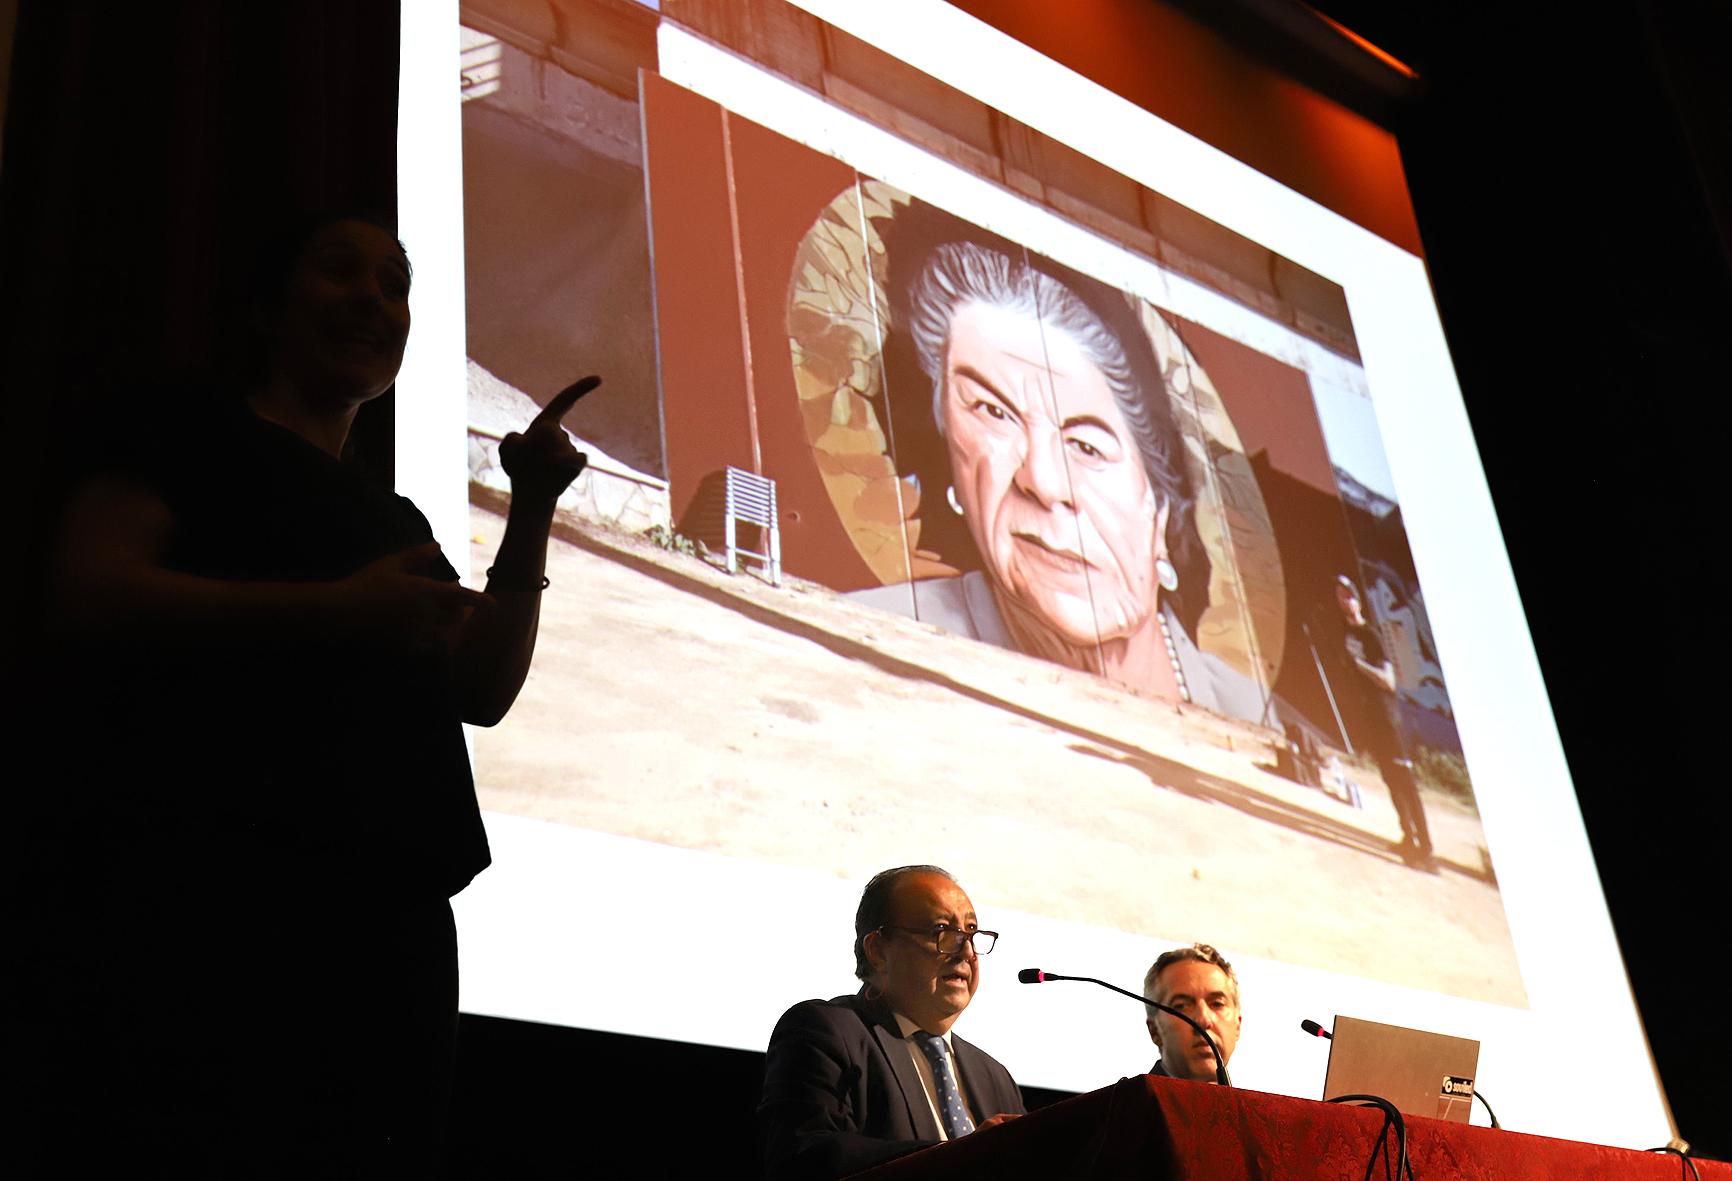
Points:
x=564 y=400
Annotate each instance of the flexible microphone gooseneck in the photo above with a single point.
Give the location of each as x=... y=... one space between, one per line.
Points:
x=1036 y=976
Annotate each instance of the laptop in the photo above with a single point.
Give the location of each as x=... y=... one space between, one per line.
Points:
x=1428 y=1074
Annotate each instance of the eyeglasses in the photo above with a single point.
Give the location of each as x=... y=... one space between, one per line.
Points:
x=948 y=940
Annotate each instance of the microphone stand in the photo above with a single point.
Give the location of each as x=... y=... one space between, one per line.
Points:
x=1036 y=976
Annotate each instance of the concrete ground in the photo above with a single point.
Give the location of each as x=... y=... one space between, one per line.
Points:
x=672 y=702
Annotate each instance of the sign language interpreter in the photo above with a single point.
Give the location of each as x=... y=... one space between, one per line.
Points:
x=266 y=662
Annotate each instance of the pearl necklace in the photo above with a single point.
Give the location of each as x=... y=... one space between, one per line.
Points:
x=1173 y=657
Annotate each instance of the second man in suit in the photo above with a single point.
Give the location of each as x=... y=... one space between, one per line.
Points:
x=1199 y=982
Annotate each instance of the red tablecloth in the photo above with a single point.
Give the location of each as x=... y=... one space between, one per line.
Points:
x=1164 y=1128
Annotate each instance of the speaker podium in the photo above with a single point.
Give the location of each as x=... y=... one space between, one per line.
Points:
x=1144 y=1127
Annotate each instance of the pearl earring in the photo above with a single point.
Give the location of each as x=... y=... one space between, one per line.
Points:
x=950 y=495
x=1166 y=574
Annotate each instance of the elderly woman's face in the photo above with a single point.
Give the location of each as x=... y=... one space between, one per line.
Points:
x=1048 y=476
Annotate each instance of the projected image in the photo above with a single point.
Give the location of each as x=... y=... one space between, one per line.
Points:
x=1063 y=519
x=904 y=541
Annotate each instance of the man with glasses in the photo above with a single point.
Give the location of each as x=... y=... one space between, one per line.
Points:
x=852 y=1082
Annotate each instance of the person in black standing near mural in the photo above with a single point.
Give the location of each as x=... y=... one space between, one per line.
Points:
x=1368 y=681
x=264 y=804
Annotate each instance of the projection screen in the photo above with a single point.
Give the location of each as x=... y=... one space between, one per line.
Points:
x=1080 y=433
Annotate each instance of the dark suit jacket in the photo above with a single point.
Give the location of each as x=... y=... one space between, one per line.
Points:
x=1159 y=1069
x=841 y=1093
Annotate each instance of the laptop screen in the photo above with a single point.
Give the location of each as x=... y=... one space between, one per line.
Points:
x=1426 y=1074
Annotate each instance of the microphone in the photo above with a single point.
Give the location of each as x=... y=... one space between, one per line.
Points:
x=1036 y=976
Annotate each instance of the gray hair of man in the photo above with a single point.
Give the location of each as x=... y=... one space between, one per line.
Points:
x=1201 y=953
x=875 y=908
x=959 y=273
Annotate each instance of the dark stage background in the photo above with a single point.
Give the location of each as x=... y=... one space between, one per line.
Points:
x=1572 y=183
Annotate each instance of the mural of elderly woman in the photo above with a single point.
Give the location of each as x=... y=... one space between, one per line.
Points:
x=1069 y=478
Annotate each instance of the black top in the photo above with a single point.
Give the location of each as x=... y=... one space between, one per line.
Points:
x=342 y=755
x=1371 y=713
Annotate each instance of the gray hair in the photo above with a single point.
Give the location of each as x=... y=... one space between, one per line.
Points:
x=960 y=273
x=874 y=910
x=1201 y=953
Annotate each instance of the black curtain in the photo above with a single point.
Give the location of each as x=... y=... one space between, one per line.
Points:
x=147 y=146
x=1572 y=176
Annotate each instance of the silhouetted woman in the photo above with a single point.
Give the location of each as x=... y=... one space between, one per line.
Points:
x=270 y=659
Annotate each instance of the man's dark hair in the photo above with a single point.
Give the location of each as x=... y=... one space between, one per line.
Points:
x=875 y=909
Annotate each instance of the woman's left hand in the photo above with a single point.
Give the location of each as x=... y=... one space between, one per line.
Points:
x=540 y=460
